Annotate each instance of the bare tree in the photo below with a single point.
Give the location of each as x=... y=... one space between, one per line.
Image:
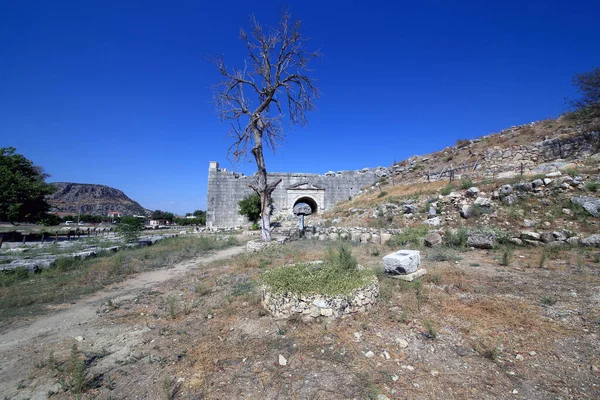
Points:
x=272 y=86
x=588 y=87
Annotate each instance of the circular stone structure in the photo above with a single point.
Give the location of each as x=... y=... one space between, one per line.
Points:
x=286 y=305
x=259 y=244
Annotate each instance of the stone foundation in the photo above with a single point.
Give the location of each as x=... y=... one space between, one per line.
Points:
x=258 y=245
x=309 y=306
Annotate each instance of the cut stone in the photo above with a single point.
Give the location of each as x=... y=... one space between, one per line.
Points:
x=411 y=277
x=402 y=262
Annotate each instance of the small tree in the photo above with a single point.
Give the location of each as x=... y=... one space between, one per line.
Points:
x=250 y=207
x=22 y=188
x=274 y=78
x=130 y=228
x=588 y=88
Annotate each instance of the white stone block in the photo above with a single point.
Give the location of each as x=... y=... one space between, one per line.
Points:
x=402 y=262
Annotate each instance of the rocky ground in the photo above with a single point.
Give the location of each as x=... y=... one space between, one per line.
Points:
x=474 y=329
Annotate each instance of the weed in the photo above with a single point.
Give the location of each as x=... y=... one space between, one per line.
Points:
x=466 y=183
x=573 y=172
x=592 y=186
x=457 y=238
x=418 y=286
x=548 y=300
x=446 y=190
x=542 y=261
x=441 y=254
x=434 y=278
x=202 y=289
x=338 y=274
x=431 y=332
x=382 y=194
x=490 y=351
x=507 y=255
x=413 y=235
x=375 y=253
x=171 y=301
x=242 y=289
x=474 y=265
x=168 y=388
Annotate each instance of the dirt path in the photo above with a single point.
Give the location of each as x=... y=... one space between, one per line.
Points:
x=76 y=322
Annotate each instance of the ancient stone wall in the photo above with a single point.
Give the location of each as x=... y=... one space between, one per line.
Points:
x=227 y=188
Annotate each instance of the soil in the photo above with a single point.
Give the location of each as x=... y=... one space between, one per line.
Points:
x=474 y=330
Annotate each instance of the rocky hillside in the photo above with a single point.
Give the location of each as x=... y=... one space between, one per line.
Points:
x=92 y=199
x=537 y=184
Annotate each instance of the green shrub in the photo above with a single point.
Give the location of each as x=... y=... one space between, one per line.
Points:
x=382 y=194
x=336 y=275
x=573 y=172
x=548 y=300
x=446 y=190
x=130 y=228
x=456 y=238
x=592 y=186
x=413 y=235
x=250 y=207
x=466 y=183
x=507 y=255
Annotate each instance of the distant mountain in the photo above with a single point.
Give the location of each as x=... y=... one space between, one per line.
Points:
x=92 y=199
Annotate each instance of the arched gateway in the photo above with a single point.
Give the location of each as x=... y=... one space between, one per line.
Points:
x=320 y=192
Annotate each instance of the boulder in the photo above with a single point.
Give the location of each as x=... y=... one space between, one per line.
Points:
x=432 y=212
x=385 y=237
x=483 y=202
x=590 y=204
x=433 y=221
x=466 y=211
x=530 y=235
x=433 y=239
x=591 y=241
x=537 y=183
x=505 y=190
x=402 y=262
x=472 y=192
x=481 y=240
x=523 y=187
x=510 y=199
x=547 y=237
x=548 y=181
x=554 y=174
x=410 y=209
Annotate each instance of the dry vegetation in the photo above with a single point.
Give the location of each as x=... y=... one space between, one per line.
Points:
x=473 y=329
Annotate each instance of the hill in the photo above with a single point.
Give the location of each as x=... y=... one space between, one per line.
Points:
x=92 y=199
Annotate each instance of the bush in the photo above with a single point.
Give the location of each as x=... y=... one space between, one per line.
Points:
x=338 y=274
x=462 y=143
x=382 y=194
x=130 y=228
x=466 y=183
x=592 y=186
x=250 y=207
x=413 y=235
x=446 y=190
x=457 y=238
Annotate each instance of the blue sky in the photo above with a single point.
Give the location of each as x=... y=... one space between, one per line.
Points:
x=119 y=92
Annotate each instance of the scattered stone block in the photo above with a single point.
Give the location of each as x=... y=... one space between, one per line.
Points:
x=411 y=277
x=402 y=262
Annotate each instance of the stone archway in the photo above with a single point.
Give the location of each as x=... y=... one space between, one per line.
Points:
x=314 y=206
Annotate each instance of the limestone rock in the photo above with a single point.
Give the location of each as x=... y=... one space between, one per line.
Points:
x=505 y=190
x=523 y=187
x=547 y=237
x=537 y=183
x=483 y=202
x=530 y=235
x=481 y=240
x=510 y=199
x=410 y=209
x=466 y=211
x=433 y=239
x=472 y=192
x=435 y=221
x=591 y=241
x=282 y=360
x=402 y=262
x=590 y=204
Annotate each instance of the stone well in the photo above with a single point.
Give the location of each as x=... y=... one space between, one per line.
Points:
x=258 y=245
x=308 y=306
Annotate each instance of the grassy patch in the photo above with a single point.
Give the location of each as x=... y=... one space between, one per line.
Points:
x=413 y=235
x=25 y=293
x=336 y=275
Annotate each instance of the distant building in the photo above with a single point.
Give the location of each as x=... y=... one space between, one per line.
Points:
x=159 y=222
x=114 y=214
